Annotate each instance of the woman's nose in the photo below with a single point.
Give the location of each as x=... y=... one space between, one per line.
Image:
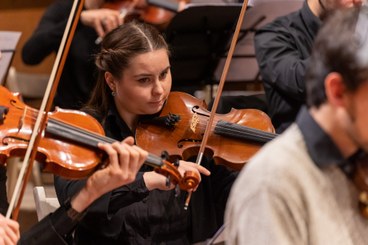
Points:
x=158 y=88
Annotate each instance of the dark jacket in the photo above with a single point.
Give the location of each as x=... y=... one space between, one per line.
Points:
x=283 y=48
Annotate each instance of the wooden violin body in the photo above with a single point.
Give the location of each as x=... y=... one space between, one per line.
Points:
x=179 y=128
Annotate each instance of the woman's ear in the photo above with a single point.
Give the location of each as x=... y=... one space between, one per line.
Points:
x=335 y=89
x=109 y=78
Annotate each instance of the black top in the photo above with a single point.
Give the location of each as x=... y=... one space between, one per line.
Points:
x=55 y=229
x=283 y=48
x=77 y=79
x=133 y=215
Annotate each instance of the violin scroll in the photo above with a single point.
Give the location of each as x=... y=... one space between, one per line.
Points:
x=188 y=181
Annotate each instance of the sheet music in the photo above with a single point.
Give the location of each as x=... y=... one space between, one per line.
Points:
x=8 y=42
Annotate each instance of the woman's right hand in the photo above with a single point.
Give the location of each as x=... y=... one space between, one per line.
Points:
x=154 y=180
x=102 y=20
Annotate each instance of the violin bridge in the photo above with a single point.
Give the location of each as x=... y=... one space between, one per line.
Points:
x=21 y=120
x=194 y=122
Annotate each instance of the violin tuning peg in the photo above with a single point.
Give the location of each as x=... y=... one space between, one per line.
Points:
x=167 y=182
x=164 y=155
x=177 y=163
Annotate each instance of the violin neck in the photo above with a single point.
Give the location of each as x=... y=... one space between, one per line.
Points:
x=243 y=132
x=89 y=139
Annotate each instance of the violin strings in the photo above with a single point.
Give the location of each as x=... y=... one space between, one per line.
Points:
x=230 y=129
x=236 y=129
x=86 y=137
x=240 y=128
x=78 y=133
x=246 y=131
x=255 y=131
x=240 y=131
x=69 y=129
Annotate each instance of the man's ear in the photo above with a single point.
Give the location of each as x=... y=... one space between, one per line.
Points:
x=335 y=89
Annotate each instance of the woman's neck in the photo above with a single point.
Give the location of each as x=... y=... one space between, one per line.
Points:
x=130 y=119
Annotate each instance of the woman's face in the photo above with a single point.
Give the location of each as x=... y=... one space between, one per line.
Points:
x=144 y=86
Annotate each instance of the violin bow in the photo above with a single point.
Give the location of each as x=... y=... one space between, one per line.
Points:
x=219 y=90
x=45 y=107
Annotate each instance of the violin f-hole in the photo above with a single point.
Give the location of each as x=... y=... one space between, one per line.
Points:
x=3 y=111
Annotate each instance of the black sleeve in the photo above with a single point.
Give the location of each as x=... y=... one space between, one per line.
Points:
x=280 y=62
x=48 y=34
x=56 y=229
x=101 y=212
x=128 y=194
x=208 y=203
x=222 y=179
x=97 y=215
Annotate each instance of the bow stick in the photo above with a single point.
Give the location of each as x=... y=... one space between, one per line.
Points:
x=219 y=91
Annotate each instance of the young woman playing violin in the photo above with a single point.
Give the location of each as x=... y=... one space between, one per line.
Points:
x=134 y=81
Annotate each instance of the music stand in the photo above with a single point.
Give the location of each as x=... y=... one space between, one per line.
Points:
x=8 y=42
x=197 y=37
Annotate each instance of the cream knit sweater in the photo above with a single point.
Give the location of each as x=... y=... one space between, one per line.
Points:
x=282 y=197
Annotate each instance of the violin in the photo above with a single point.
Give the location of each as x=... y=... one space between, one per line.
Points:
x=129 y=9
x=160 y=14
x=152 y=14
x=68 y=146
x=234 y=138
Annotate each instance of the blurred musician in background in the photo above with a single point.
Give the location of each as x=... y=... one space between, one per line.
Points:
x=78 y=78
x=283 y=49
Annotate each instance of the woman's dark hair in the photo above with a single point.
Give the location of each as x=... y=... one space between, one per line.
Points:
x=117 y=50
x=339 y=47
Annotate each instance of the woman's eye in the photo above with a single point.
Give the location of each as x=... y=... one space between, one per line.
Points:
x=144 y=80
x=163 y=75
